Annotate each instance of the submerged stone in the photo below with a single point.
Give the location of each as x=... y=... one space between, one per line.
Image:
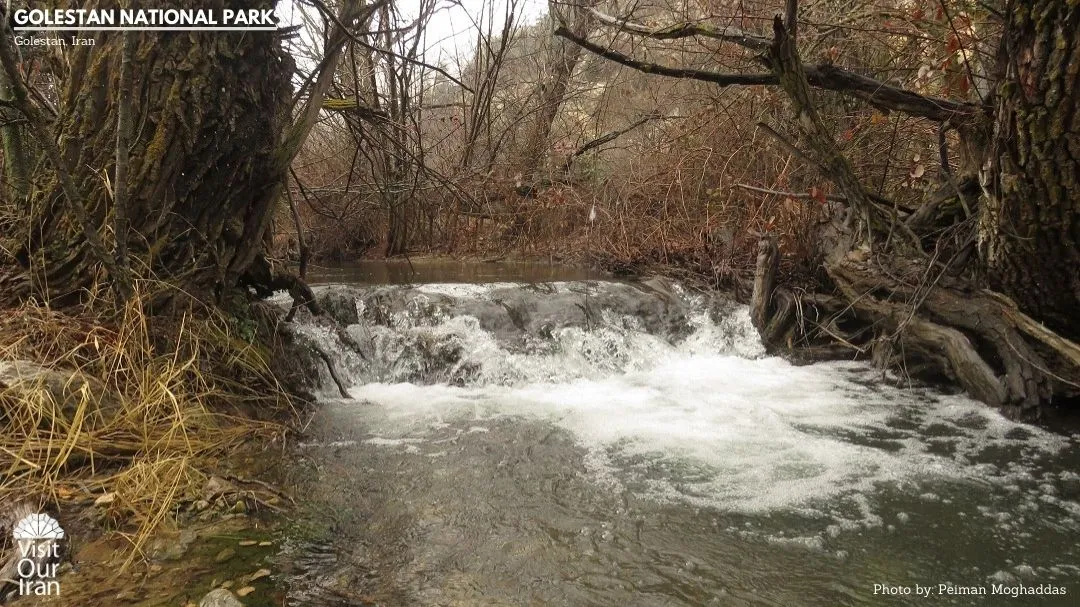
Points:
x=220 y=598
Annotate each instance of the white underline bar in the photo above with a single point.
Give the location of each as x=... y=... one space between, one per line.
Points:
x=272 y=28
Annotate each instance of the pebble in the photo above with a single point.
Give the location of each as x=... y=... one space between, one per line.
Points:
x=220 y=598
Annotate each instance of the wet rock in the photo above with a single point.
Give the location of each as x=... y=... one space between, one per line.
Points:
x=258 y=575
x=216 y=487
x=340 y=304
x=225 y=555
x=497 y=317
x=220 y=598
x=295 y=362
x=438 y=334
x=514 y=311
x=172 y=548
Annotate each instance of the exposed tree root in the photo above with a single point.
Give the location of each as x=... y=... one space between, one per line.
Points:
x=975 y=337
x=920 y=311
x=265 y=279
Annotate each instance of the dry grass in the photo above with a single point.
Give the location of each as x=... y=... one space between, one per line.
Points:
x=145 y=407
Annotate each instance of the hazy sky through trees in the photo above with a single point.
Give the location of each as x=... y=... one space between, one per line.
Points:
x=452 y=31
x=451 y=34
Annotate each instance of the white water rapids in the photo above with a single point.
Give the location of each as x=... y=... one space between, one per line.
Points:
x=689 y=412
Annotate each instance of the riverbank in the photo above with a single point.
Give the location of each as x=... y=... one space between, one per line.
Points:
x=210 y=527
x=119 y=426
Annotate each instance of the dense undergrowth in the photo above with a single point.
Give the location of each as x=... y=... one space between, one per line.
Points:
x=130 y=412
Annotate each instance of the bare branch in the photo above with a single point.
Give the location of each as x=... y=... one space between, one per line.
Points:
x=889 y=98
x=325 y=10
x=123 y=143
x=355 y=106
x=791 y=147
x=881 y=202
x=663 y=70
x=824 y=76
x=612 y=135
x=792 y=74
x=793 y=195
x=686 y=30
x=305 y=253
x=609 y=137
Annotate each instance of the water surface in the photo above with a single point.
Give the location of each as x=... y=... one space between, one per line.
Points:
x=602 y=444
x=441 y=269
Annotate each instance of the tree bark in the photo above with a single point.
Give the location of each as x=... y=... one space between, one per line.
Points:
x=768 y=259
x=208 y=117
x=1029 y=232
x=13 y=138
x=562 y=61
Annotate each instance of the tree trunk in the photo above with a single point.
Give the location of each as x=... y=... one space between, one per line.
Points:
x=397 y=229
x=561 y=63
x=1029 y=234
x=13 y=138
x=204 y=166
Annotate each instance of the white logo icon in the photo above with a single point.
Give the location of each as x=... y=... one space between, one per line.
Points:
x=37 y=527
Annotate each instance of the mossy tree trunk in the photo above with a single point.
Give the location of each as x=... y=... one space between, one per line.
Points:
x=13 y=139
x=1029 y=233
x=208 y=113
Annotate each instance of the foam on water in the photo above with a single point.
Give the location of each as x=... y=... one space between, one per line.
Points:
x=744 y=435
x=709 y=419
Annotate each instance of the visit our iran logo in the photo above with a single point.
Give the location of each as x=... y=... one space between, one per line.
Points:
x=37 y=526
x=37 y=537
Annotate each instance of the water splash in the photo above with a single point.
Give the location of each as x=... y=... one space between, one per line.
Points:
x=672 y=395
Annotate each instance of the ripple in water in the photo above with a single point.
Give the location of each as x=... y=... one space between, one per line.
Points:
x=826 y=458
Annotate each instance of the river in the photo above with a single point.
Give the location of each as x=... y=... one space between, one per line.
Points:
x=606 y=443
